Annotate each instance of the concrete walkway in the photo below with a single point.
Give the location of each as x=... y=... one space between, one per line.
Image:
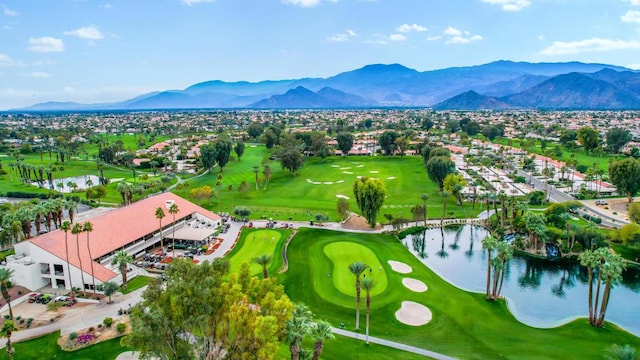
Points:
x=392 y=344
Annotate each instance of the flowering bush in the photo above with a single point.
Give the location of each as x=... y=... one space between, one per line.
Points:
x=85 y=339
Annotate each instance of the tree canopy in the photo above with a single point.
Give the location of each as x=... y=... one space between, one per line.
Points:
x=369 y=196
x=589 y=138
x=625 y=175
x=617 y=138
x=198 y=315
x=438 y=168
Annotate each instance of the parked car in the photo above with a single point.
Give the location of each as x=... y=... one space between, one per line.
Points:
x=601 y=202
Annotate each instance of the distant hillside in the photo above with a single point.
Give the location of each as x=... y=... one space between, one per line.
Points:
x=303 y=98
x=471 y=100
x=397 y=85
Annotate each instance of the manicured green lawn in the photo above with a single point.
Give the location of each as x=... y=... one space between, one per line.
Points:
x=344 y=253
x=464 y=324
x=252 y=244
x=315 y=188
x=136 y=283
x=346 y=348
x=46 y=347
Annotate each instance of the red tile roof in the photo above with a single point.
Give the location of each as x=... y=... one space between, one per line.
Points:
x=116 y=229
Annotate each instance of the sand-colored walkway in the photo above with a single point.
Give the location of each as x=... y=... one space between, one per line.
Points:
x=414 y=314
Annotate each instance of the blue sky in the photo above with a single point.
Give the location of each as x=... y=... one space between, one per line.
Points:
x=101 y=51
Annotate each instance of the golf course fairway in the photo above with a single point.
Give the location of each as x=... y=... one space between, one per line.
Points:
x=344 y=253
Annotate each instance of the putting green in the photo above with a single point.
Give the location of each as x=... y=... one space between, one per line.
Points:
x=256 y=243
x=342 y=254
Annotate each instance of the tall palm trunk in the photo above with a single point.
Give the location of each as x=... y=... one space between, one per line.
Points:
x=66 y=248
x=501 y=279
x=605 y=303
x=590 y=270
x=488 y=272
x=295 y=351
x=7 y=299
x=495 y=283
x=317 y=349
x=80 y=262
x=595 y=305
x=368 y=312
x=358 y=303
x=444 y=211
x=93 y=277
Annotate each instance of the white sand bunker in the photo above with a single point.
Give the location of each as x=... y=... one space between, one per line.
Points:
x=340 y=196
x=345 y=168
x=414 y=314
x=391 y=177
x=374 y=171
x=310 y=181
x=339 y=181
x=414 y=285
x=116 y=179
x=347 y=172
x=328 y=182
x=335 y=166
x=400 y=267
x=360 y=166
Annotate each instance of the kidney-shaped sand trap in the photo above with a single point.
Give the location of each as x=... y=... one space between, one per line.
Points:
x=400 y=267
x=414 y=314
x=414 y=285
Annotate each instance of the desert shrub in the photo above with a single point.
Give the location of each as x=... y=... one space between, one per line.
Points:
x=107 y=321
x=73 y=336
x=121 y=327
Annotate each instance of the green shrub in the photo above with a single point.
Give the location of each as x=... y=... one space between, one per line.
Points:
x=73 y=336
x=121 y=327
x=107 y=322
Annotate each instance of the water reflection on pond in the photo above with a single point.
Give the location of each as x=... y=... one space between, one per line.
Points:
x=541 y=293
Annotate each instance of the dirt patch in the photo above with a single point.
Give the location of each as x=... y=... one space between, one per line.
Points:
x=357 y=222
x=15 y=292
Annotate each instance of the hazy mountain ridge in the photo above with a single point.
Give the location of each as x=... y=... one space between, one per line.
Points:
x=497 y=85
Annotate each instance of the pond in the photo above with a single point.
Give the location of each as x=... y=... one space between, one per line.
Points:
x=68 y=184
x=539 y=293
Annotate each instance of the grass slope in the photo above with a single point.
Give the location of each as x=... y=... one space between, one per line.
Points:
x=464 y=324
x=252 y=244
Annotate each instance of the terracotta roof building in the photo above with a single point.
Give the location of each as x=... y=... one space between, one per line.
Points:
x=42 y=260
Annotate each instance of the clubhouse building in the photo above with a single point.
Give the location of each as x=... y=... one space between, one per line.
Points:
x=42 y=261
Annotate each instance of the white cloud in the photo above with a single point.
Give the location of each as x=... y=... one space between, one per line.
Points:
x=106 y=6
x=37 y=75
x=634 y=2
x=405 y=28
x=634 y=66
x=89 y=33
x=632 y=16
x=451 y=31
x=342 y=37
x=45 y=44
x=194 y=2
x=8 y=12
x=397 y=37
x=303 y=3
x=6 y=61
x=589 y=45
x=511 y=5
x=454 y=35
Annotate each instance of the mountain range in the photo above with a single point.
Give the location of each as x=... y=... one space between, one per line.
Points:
x=498 y=85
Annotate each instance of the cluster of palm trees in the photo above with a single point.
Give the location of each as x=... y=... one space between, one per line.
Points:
x=357 y=269
x=302 y=325
x=497 y=263
x=160 y=214
x=76 y=229
x=19 y=220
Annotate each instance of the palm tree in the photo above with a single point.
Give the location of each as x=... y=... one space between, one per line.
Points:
x=263 y=260
x=160 y=215
x=619 y=352
x=489 y=243
x=297 y=328
x=368 y=284
x=66 y=226
x=173 y=210
x=424 y=198
x=122 y=259
x=320 y=333
x=76 y=230
x=256 y=171
x=445 y=195
x=88 y=228
x=5 y=332
x=5 y=282
x=267 y=175
x=357 y=268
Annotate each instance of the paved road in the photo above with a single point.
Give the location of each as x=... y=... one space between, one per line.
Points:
x=556 y=195
x=392 y=344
